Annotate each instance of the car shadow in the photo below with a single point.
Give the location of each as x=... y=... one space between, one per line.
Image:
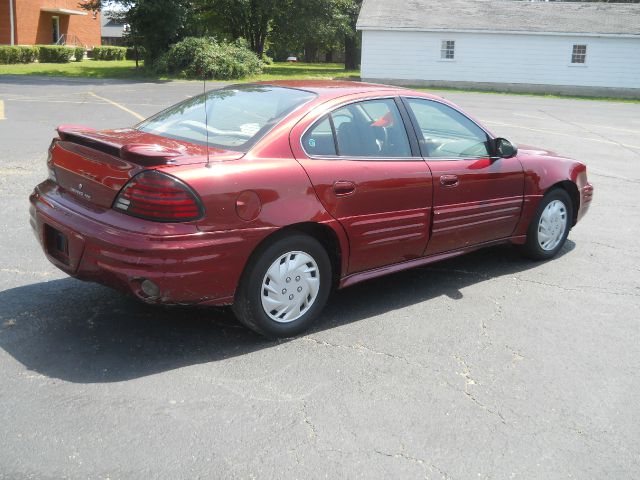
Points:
x=86 y=333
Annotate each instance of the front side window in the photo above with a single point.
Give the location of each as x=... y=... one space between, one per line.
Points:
x=443 y=132
x=235 y=119
x=447 y=49
x=372 y=128
x=579 y=54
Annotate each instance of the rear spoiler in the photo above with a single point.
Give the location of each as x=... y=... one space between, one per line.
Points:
x=147 y=154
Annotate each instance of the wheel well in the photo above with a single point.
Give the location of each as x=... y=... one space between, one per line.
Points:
x=571 y=188
x=322 y=233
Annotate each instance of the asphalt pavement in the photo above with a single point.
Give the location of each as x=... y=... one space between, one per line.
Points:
x=488 y=366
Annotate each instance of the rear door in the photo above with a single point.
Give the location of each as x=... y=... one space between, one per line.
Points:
x=371 y=178
x=476 y=198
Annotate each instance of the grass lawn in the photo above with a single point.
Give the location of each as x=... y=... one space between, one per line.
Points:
x=126 y=69
x=326 y=71
x=86 y=68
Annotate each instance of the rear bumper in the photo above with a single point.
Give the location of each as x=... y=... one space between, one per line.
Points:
x=108 y=247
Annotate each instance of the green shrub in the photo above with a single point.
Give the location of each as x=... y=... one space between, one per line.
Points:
x=182 y=54
x=79 y=54
x=109 y=53
x=55 y=53
x=18 y=54
x=207 y=58
x=131 y=53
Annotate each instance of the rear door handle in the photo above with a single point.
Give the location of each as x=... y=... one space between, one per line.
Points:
x=343 y=187
x=449 y=180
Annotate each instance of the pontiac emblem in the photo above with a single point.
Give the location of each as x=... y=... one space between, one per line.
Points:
x=79 y=186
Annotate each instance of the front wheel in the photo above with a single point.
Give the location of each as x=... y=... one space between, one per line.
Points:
x=285 y=287
x=550 y=226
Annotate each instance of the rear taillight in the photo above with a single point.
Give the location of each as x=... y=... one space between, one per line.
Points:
x=160 y=197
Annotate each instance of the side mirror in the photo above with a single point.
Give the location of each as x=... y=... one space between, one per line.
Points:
x=503 y=148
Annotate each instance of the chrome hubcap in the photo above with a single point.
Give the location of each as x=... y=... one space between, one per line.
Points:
x=552 y=225
x=290 y=286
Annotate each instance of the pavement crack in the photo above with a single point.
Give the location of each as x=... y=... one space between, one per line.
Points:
x=22 y=272
x=313 y=433
x=516 y=356
x=605 y=138
x=466 y=372
x=428 y=466
x=484 y=407
x=577 y=289
x=358 y=347
x=469 y=381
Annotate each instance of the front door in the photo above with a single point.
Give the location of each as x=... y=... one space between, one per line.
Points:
x=476 y=198
x=365 y=173
x=55 y=28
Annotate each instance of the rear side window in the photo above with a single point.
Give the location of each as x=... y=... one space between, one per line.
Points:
x=319 y=141
x=446 y=133
x=370 y=129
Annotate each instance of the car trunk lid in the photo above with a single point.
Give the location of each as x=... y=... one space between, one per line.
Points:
x=95 y=165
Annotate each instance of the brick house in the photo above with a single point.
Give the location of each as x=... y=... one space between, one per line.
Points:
x=41 y=22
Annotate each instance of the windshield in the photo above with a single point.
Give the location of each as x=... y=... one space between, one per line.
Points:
x=236 y=117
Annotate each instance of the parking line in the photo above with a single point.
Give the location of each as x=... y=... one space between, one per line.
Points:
x=599 y=140
x=618 y=129
x=2 y=117
x=84 y=102
x=529 y=116
x=117 y=105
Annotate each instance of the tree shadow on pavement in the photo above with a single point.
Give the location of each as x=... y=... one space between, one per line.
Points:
x=86 y=333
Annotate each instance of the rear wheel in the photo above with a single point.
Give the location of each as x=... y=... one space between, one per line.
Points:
x=285 y=287
x=550 y=226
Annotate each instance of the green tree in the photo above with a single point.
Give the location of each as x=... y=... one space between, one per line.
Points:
x=295 y=25
x=248 y=19
x=350 y=10
x=156 y=23
x=312 y=25
x=306 y=27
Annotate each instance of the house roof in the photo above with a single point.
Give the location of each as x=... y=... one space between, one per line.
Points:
x=110 y=27
x=592 y=18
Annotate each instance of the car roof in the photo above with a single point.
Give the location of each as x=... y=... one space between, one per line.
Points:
x=327 y=89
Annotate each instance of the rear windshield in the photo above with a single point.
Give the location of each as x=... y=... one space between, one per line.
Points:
x=235 y=118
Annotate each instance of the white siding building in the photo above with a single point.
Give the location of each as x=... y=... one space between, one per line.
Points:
x=555 y=47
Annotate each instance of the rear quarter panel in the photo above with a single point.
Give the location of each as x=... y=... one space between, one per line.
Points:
x=252 y=198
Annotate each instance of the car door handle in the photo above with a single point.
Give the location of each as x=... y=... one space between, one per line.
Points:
x=343 y=187
x=449 y=180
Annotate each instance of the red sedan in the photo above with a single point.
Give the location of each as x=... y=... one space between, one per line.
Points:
x=266 y=196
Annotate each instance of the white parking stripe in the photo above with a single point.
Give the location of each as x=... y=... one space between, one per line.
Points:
x=117 y=105
x=529 y=116
x=552 y=132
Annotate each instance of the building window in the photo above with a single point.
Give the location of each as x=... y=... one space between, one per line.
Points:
x=579 y=54
x=447 y=50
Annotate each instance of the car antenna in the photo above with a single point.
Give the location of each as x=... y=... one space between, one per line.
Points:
x=206 y=116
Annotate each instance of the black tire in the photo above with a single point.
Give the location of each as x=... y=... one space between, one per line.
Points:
x=248 y=301
x=532 y=247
